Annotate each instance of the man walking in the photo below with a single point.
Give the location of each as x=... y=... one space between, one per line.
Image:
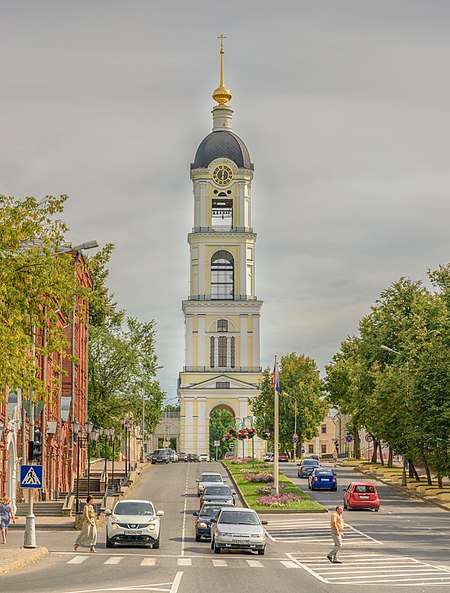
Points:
x=337 y=533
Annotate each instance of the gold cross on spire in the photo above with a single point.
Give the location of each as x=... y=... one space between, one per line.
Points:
x=221 y=37
x=222 y=95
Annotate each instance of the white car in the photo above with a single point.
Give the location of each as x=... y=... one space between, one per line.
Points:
x=238 y=529
x=268 y=456
x=210 y=478
x=133 y=522
x=203 y=457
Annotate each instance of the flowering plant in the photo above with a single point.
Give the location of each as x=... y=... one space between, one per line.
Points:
x=251 y=432
x=261 y=477
x=242 y=434
x=268 y=489
x=265 y=435
x=278 y=500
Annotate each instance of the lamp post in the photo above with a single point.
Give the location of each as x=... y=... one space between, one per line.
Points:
x=76 y=431
x=119 y=439
x=95 y=433
x=383 y=347
x=88 y=425
x=294 y=436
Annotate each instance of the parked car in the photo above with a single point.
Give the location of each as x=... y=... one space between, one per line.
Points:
x=193 y=457
x=208 y=478
x=203 y=457
x=160 y=456
x=229 y=455
x=182 y=456
x=306 y=467
x=268 y=456
x=221 y=492
x=238 y=528
x=133 y=522
x=361 y=495
x=322 y=478
x=208 y=511
x=173 y=455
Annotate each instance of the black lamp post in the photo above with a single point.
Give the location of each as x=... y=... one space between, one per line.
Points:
x=88 y=425
x=93 y=439
x=76 y=430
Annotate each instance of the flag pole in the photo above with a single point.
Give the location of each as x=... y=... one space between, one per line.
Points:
x=276 y=387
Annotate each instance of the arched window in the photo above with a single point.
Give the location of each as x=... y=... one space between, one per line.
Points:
x=222 y=276
x=222 y=351
x=222 y=325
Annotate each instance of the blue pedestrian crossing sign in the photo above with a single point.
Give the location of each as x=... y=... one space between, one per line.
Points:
x=31 y=476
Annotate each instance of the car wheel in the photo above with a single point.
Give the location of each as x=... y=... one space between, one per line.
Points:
x=156 y=544
x=197 y=538
x=377 y=509
x=261 y=552
x=334 y=489
x=345 y=507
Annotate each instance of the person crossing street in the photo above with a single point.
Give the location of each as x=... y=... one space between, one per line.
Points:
x=337 y=533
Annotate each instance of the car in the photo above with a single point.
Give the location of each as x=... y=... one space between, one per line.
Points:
x=361 y=495
x=238 y=528
x=182 y=456
x=203 y=457
x=229 y=455
x=221 y=492
x=193 y=457
x=268 y=456
x=207 y=512
x=208 y=478
x=306 y=467
x=133 y=522
x=173 y=455
x=160 y=456
x=322 y=478
x=283 y=456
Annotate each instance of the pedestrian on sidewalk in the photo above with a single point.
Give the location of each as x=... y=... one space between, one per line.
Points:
x=337 y=533
x=6 y=515
x=88 y=533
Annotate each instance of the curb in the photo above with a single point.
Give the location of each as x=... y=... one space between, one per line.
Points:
x=22 y=557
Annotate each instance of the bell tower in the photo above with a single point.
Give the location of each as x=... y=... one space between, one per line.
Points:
x=222 y=313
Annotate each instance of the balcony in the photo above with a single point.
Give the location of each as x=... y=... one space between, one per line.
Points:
x=208 y=297
x=222 y=369
x=222 y=229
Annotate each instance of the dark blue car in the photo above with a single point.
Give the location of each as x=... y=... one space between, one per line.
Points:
x=322 y=479
x=207 y=512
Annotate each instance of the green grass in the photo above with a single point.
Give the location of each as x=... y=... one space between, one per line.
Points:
x=249 y=490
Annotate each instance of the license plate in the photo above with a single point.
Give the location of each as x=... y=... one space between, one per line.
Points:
x=241 y=541
x=363 y=496
x=132 y=532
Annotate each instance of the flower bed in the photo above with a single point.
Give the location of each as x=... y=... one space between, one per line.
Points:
x=278 y=500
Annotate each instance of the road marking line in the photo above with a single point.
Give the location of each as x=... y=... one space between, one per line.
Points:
x=289 y=564
x=78 y=560
x=176 y=582
x=305 y=567
x=220 y=563
x=184 y=562
x=183 y=529
x=148 y=562
x=255 y=563
x=114 y=560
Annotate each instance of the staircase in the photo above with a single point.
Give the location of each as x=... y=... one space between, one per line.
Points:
x=50 y=508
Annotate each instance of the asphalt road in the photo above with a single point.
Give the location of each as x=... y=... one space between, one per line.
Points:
x=406 y=544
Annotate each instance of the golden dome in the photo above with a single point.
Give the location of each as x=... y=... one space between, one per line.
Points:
x=222 y=95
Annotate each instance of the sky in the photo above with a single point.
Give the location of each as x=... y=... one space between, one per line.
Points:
x=343 y=104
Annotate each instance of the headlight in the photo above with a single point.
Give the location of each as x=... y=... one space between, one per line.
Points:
x=201 y=524
x=114 y=526
x=151 y=527
x=256 y=535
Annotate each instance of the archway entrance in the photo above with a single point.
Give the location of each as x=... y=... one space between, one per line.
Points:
x=221 y=419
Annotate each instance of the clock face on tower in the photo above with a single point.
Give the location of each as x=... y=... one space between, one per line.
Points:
x=222 y=175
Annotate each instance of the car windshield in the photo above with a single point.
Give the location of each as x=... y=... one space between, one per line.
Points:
x=323 y=472
x=160 y=452
x=238 y=518
x=217 y=490
x=210 y=478
x=129 y=507
x=365 y=488
x=310 y=462
x=209 y=511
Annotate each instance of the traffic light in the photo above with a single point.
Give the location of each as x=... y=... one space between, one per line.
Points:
x=37 y=446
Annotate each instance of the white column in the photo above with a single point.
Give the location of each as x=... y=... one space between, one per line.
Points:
x=201 y=270
x=202 y=445
x=243 y=270
x=256 y=340
x=202 y=187
x=242 y=216
x=189 y=425
x=243 y=359
x=201 y=341
x=188 y=338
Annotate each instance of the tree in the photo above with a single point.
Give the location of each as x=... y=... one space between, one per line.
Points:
x=219 y=423
x=37 y=290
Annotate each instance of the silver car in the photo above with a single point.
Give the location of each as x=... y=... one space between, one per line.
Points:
x=209 y=478
x=238 y=528
x=133 y=522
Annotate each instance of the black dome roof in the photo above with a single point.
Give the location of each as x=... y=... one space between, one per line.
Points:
x=222 y=144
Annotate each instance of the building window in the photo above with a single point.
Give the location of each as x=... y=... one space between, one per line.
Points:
x=211 y=352
x=310 y=448
x=222 y=385
x=233 y=352
x=222 y=325
x=222 y=276
x=323 y=448
x=324 y=429
x=222 y=351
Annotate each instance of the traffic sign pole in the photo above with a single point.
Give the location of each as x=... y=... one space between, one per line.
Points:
x=29 y=538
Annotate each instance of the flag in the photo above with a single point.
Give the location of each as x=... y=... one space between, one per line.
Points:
x=275 y=378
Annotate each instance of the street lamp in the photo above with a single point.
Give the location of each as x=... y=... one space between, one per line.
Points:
x=76 y=430
x=294 y=436
x=383 y=347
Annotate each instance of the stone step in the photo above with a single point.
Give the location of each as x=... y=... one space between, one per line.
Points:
x=41 y=509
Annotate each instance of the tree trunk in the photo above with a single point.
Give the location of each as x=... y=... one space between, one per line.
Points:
x=427 y=470
x=413 y=472
x=439 y=480
x=375 y=451
x=357 y=446
x=381 y=453
x=390 y=457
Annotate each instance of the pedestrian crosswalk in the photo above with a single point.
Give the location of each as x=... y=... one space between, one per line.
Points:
x=136 y=560
x=312 y=529
x=372 y=569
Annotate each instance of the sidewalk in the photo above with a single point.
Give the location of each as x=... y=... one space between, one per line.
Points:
x=12 y=558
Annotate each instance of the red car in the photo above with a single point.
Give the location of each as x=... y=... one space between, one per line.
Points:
x=283 y=457
x=361 y=495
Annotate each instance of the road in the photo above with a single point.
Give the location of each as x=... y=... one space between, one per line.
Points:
x=405 y=544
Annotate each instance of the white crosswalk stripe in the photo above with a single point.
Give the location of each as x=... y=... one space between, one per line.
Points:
x=148 y=562
x=313 y=530
x=78 y=560
x=114 y=560
x=372 y=569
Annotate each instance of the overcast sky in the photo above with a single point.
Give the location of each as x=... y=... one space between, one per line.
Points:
x=343 y=104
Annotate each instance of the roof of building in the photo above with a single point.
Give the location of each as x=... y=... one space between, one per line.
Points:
x=222 y=144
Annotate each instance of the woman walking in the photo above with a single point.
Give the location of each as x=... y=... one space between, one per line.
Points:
x=88 y=533
x=6 y=515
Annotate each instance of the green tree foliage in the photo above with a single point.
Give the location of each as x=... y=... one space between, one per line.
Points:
x=301 y=388
x=37 y=289
x=401 y=395
x=220 y=421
